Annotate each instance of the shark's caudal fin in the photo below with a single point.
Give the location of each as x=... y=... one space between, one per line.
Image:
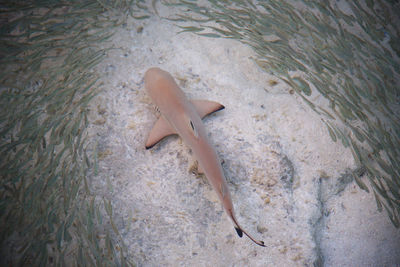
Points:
x=240 y=231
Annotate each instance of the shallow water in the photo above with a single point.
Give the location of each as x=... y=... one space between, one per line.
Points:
x=312 y=102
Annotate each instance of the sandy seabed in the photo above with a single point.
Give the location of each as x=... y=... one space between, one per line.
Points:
x=290 y=183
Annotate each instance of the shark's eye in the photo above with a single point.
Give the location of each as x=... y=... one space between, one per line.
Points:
x=194 y=129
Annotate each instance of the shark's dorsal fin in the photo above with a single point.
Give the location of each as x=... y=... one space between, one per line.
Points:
x=205 y=107
x=160 y=130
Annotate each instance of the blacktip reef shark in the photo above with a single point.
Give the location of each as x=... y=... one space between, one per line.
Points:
x=183 y=117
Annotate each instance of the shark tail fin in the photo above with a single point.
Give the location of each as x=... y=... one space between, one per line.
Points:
x=240 y=231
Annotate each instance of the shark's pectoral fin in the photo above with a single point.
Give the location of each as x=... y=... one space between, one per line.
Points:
x=160 y=130
x=205 y=107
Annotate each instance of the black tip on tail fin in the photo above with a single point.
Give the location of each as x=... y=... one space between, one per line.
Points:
x=239 y=232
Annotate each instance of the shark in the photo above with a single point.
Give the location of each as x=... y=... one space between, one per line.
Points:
x=184 y=117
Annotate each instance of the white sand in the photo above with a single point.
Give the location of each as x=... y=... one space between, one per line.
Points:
x=266 y=136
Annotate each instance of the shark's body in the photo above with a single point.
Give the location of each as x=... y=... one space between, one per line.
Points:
x=183 y=117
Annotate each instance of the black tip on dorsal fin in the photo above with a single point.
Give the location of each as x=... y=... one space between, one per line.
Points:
x=239 y=232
